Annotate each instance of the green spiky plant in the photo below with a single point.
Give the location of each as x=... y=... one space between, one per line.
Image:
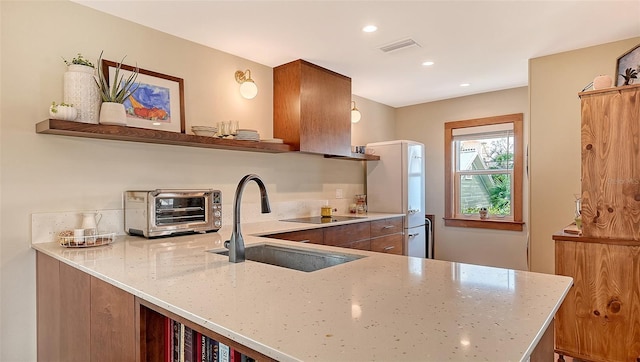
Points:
x=121 y=88
x=629 y=74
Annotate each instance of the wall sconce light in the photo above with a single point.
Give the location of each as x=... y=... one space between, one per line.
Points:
x=248 y=89
x=355 y=113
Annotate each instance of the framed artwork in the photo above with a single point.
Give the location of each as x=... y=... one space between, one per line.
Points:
x=630 y=59
x=157 y=104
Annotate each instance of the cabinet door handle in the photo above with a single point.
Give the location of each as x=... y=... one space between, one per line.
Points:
x=389 y=248
x=305 y=241
x=388 y=227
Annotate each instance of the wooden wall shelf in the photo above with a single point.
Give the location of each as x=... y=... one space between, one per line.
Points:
x=134 y=134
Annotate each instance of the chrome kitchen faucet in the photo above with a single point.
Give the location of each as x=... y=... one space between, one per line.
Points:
x=236 y=243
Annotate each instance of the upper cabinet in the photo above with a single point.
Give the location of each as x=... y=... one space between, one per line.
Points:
x=611 y=163
x=311 y=108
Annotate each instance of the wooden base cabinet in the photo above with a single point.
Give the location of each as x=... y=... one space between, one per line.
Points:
x=600 y=318
x=385 y=236
x=349 y=236
x=82 y=318
x=313 y=236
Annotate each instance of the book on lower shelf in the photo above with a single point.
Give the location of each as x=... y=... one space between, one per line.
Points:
x=223 y=352
x=175 y=341
x=186 y=345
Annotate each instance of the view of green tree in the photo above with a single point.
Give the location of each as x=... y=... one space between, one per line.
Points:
x=491 y=190
x=500 y=195
x=500 y=156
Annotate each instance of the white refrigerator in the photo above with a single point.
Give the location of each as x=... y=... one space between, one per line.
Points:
x=395 y=184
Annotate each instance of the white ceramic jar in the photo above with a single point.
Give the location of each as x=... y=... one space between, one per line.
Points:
x=80 y=89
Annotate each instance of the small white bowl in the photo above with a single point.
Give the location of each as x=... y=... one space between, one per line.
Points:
x=65 y=113
x=207 y=133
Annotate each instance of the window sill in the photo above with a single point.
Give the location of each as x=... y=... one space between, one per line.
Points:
x=497 y=224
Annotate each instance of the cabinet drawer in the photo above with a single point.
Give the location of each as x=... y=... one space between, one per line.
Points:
x=313 y=236
x=345 y=234
x=360 y=245
x=386 y=226
x=391 y=244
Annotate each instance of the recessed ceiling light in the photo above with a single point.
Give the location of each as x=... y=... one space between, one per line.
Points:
x=370 y=28
x=427 y=63
x=465 y=84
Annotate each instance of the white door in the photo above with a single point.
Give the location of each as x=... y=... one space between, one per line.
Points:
x=416 y=242
x=414 y=180
x=385 y=180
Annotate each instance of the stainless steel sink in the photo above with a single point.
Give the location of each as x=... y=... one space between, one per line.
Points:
x=306 y=260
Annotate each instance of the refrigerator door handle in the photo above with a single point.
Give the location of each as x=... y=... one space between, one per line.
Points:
x=413 y=235
x=413 y=211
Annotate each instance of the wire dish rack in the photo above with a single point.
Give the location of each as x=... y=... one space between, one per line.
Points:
x=71 y=241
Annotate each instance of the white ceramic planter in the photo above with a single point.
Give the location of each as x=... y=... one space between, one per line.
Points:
x=80 y=89
x=64 y=113
x=113 y=114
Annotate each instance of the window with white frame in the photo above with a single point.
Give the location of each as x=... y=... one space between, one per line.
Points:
x=483 y=185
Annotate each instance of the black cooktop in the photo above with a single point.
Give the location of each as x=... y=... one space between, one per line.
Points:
x=322 y=219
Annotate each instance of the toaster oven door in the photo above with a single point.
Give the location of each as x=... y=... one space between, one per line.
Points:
x=175 y=210
x=178 y=211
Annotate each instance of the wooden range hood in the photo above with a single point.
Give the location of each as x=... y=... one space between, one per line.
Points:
x=311 y=108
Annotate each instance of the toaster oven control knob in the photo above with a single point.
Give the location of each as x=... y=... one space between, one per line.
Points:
x=217 y=213
x=218 y=223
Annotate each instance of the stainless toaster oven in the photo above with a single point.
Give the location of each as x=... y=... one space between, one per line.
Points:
x=164 y=212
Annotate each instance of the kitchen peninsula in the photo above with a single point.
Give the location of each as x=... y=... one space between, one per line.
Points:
x=379 y=307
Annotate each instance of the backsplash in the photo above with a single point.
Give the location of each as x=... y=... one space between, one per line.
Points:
x=46 y=226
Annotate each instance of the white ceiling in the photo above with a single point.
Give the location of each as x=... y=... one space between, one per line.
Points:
x=484 y=43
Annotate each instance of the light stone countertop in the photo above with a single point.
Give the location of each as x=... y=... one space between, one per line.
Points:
x=381 y=307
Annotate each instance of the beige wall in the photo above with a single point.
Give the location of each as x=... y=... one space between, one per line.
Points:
x=45 y=173
x=425 y=123
x=376 y=124
x=554 y=83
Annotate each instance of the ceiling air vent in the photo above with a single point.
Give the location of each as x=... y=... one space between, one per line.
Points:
x=400 y=44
